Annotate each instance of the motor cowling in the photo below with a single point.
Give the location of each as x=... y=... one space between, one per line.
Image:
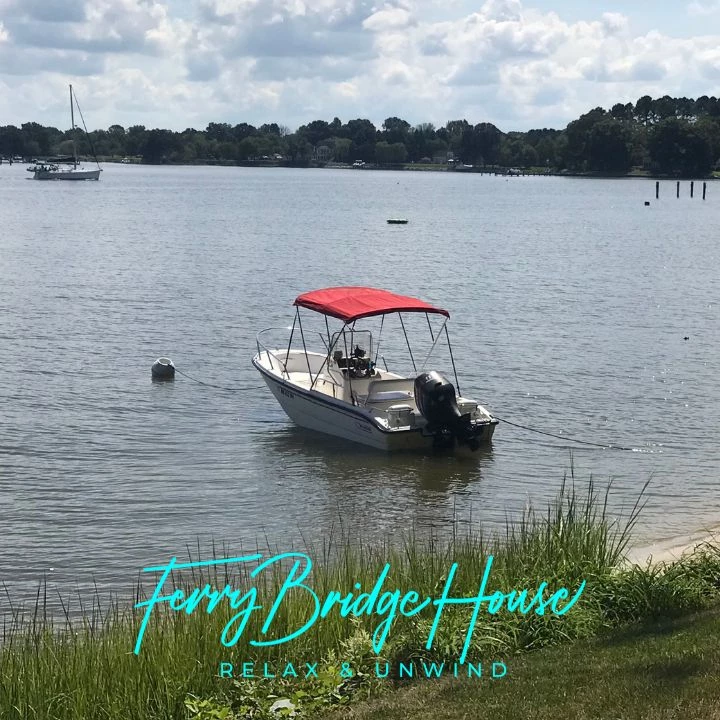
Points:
x=436 y=399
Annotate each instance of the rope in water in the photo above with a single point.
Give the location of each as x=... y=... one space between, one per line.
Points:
x=219 y=387
x=564 y=437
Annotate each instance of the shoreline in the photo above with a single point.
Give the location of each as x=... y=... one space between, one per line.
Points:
x=414 y=167
x=672 y=549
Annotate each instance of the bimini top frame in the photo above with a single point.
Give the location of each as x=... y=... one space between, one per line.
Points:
x=353 y=303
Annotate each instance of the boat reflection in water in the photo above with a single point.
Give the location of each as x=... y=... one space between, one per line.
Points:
x=368 y=494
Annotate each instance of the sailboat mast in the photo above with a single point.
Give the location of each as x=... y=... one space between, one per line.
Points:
x=72 y=120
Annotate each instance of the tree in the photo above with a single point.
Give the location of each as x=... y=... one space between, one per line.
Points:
x=622 y=112
x=342 y=148
x=315 y=132
x=685 y=108
x=420 y=139
x=360 y=131
x=435 y=147
x=222 y=132
x=36 y=138
x=481 y=144
x=395 y=130
x=702 y=105
x=270 y=129
x=248 y=149
x=676 y=148
x=578 y=134
x=242 y=131
x=608 y=147
x=299 y=150
x=158 y=146
x=65 y=147
x=390 y=153
x=453 y=134
x=643 y=109
x=135 y=140
x=664 y=107
x=515 y=152
x=546 y=150
x=709 y=129
x=11 y=141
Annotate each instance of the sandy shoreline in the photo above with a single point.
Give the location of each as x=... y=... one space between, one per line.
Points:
x=673 y=548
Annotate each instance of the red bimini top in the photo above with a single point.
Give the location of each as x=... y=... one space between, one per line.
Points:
x=353 y=303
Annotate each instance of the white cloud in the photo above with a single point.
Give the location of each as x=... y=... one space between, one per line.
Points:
x=703 y=7
x=502 y=10
x=388 y=19
x=95 y=26
x=614 y=23
x=177 y=64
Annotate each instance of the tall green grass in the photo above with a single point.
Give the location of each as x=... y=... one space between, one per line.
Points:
x=72 y=670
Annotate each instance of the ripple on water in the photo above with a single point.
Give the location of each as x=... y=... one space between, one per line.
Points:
x=569 y=307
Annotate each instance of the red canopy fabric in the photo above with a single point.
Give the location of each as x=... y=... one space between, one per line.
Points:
x=353 y=303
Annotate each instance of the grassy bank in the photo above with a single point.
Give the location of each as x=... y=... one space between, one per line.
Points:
x=665 y=669
x=59 y=670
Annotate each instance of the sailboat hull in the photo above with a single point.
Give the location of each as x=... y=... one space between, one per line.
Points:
x=66 y=175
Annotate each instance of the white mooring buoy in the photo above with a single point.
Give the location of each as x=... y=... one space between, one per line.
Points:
x=163 y=369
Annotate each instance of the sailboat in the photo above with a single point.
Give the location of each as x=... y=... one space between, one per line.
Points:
x=66 y=168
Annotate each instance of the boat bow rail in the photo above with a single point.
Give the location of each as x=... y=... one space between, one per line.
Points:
x=271 y=354
x=289 y=361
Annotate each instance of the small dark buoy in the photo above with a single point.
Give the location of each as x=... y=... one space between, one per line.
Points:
x=163 y=369
x=647 y=202
x=687 y=337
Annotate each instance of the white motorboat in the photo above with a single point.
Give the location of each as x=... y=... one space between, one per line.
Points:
x=341 y=390
x=66 y=168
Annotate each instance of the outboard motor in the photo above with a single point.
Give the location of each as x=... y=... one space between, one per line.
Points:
x=436 y=399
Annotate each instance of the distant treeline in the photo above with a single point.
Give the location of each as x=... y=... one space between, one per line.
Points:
x=671 y=136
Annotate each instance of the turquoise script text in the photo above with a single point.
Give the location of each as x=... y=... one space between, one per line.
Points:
x=385 y=604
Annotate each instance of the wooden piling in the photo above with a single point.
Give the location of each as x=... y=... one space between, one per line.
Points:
x=677 y=189
x=692 y=188
x=657 y=189
x=704 y=189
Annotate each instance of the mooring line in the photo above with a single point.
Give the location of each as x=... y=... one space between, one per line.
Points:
x=218 y=387
x=564 y=437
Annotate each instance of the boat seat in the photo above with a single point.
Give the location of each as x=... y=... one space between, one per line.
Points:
x=391 y=384
x=383 y=391
x=389 y=395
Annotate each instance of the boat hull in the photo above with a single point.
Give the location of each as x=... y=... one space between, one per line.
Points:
x=317 y=411
x=67 y=175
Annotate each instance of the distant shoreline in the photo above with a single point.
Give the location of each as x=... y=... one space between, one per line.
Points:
x=411 y=167
x=428 y=167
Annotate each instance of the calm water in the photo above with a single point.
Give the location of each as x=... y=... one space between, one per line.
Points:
x=569 y=300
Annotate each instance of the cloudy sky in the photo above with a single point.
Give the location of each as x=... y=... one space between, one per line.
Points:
x=184 y=63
